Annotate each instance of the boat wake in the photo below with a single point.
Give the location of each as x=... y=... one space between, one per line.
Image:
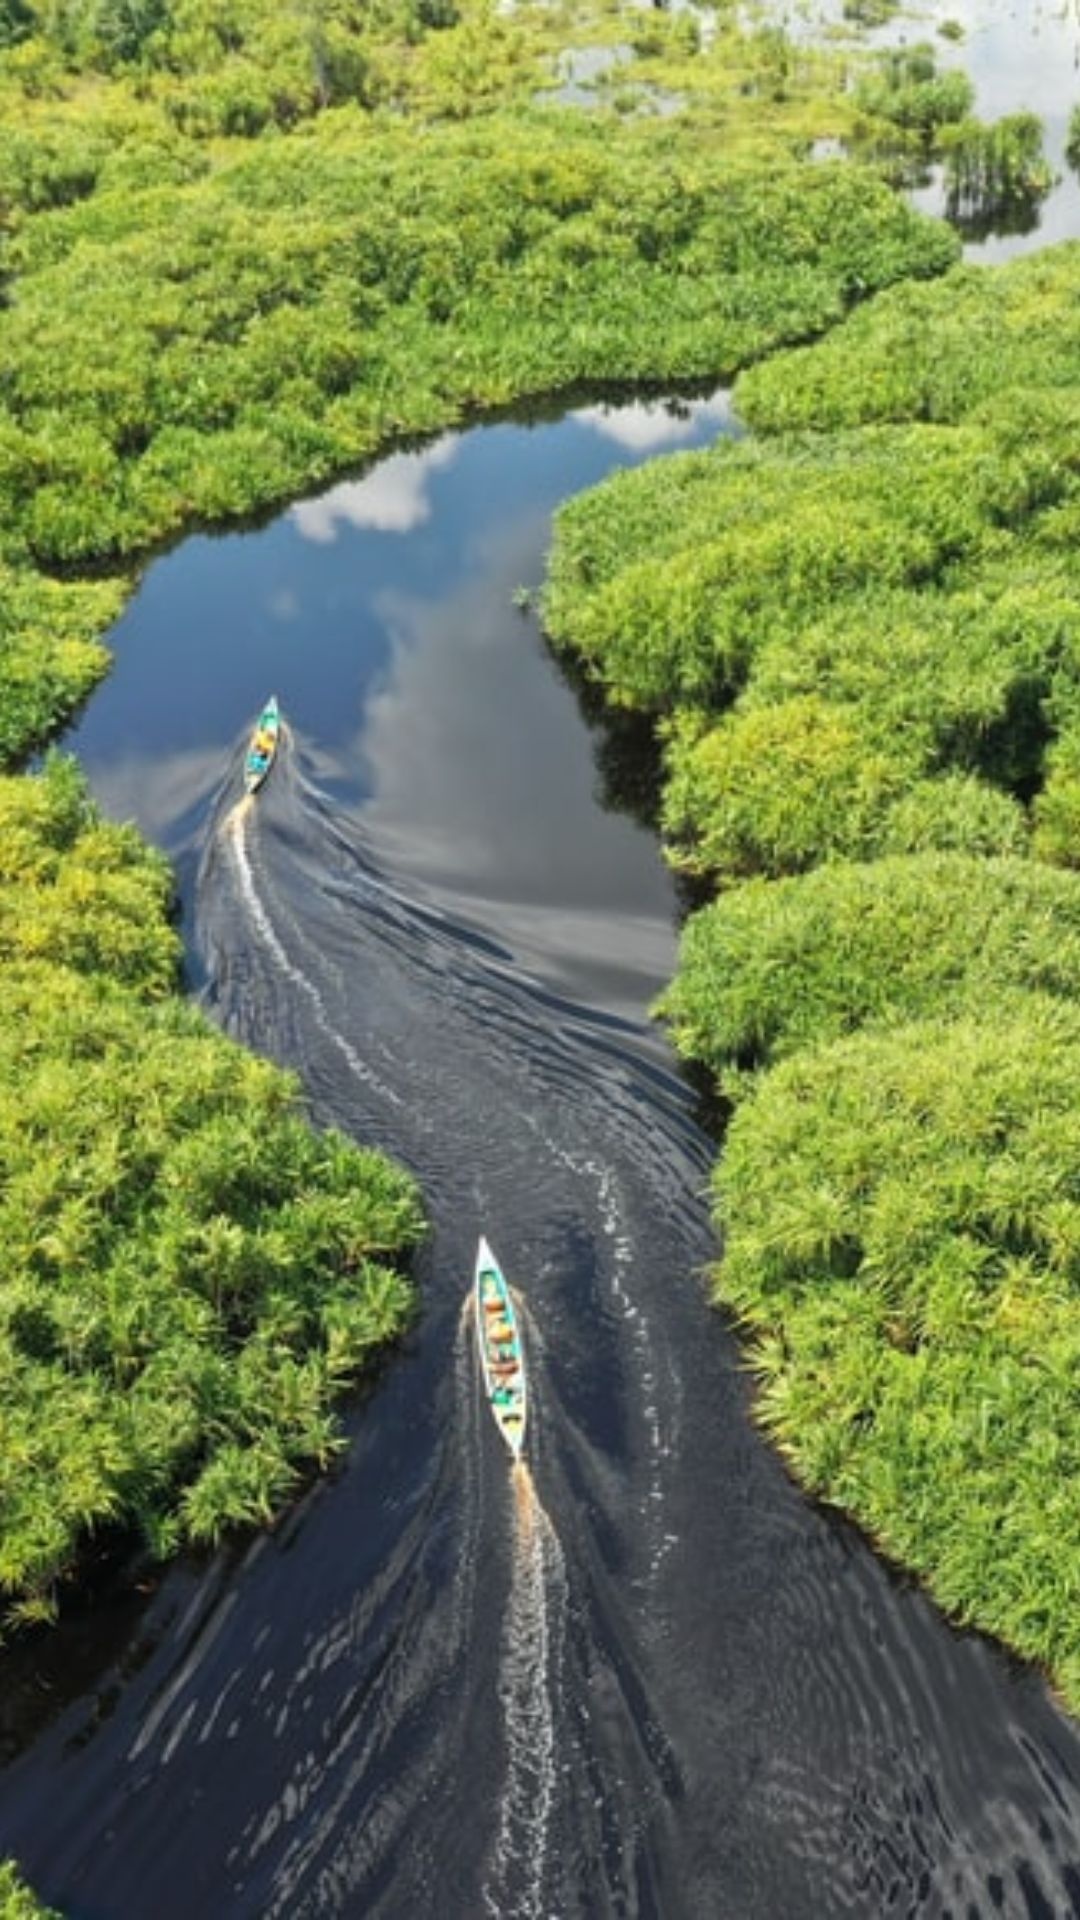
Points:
x=529 y=1685
x=235 y=831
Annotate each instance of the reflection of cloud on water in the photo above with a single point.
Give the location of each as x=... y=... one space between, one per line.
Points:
x=648 y=424
x=482 y=791
x=392 y=498
x=156 y=791
x=283 y=604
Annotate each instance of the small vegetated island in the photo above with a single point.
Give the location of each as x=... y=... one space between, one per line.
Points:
x=242 y=248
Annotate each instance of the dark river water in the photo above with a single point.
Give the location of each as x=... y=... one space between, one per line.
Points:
x=642 y=1675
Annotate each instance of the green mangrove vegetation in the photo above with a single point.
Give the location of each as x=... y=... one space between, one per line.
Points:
x=242 y=249
x=190 y=1272
x=906 y=88
x=16 y=1900
x=773 y=967
x=991 y=170
x=871 y=13
x=858 y=638
x=200 y=325
x=902 y=1213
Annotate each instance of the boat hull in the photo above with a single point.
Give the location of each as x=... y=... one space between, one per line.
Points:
x=262 y=747
x=498 y=1339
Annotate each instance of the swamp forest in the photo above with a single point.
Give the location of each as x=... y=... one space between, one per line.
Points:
x=641 y=443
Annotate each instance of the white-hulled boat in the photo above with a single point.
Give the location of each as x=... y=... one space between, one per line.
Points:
x=501 y=1357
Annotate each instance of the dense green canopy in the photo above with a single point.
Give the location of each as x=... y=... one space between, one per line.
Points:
x=1000 y=340
x=859 y=635
x=16 y=1900
x=775 y=966
x=901 y=1215
x=304 y=232
x=190 y=1273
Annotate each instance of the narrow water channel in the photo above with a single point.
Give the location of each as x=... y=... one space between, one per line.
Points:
x=643 y=1675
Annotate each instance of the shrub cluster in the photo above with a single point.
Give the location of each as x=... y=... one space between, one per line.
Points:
x=903 y=1234
x=773 y=967
x=860 y=639
x=16 y=1900
x=868 y=640
x=79 y=891
x=1005 y=344
x=190 y=1273
x=243 y=248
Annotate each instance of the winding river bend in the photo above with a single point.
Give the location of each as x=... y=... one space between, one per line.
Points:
x=641 y=1676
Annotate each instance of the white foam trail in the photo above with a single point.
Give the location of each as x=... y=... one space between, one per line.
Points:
x=531 y=1665
x=611 y=1208
x=237 y=834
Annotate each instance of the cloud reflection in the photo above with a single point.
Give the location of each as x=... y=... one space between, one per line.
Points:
x=659 y=423
x=392 y=498
x=482 y=783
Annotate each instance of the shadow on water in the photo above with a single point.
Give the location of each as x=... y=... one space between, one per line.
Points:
x=626 y=754
x=640 y=1675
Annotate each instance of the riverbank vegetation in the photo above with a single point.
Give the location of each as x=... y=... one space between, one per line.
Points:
x=278 y=308
x=190 y=1273
x=859 y=641
x=243 y=249
x=16 y=1900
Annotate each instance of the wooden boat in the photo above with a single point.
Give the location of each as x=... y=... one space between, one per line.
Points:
x=501 y=1356
x=262 y=746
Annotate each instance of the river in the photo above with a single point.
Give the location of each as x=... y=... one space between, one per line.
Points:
x=642 y=1675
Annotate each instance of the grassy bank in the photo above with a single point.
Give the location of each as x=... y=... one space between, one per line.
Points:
x=241 y=251
x=16 y=1900
x=859 y=639
x=190 y=1273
